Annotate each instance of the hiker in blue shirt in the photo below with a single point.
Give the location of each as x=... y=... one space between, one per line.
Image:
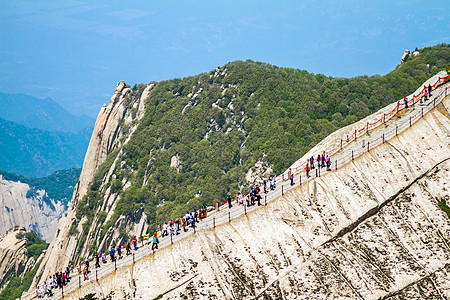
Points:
x=111 y=253
x=155 y=241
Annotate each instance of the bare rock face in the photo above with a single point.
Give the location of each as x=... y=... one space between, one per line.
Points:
x=13 y=258
x=259 y=173
x=31 y=213
x=105 y=136
x=405 y=56
x=175 y=162
x=372 y=229
x=113 y=127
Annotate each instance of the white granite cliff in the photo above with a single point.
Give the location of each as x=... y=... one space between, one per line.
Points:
x=32 y=213
x=106 y=137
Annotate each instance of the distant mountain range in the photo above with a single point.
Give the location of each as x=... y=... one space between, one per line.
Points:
x=44 y=114
x=39 y=137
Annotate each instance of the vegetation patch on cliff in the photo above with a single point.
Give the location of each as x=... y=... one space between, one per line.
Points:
x=18 y=285
x=34 y=245
x=445 y=208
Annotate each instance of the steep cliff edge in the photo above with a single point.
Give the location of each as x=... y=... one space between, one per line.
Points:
x=372 y=229
x=113 y=121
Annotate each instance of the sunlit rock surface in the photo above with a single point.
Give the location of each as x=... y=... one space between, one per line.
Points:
x=32 y=213
x=106 y=137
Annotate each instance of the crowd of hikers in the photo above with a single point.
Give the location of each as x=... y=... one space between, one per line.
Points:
x=58 y=280
x=321 y=161
x=426 y=92
x=61 y=279
x=171 y=228
x=190 y=219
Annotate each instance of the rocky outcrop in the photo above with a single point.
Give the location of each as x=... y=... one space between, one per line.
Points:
x=13 y=256
x=32 y=213
x=372 y=229
x=260 y=173
x=113 y=128
x=405 y=56
x=105 y=137
x=175 y=162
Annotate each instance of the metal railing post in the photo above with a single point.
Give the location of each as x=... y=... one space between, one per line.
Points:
x=133 y=258
x=245 y=209
x=214 y=222
x=396 y=130
x=171 y=241
x=265 y=200
x=352 y=156
x=282 y=191
x=410 y=121
x=79 y=281
x=229 y=217
x=368 y=146
x=336 y=164
x=383 y=138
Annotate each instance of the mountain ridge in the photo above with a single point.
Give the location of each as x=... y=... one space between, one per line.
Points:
x=44 y=114
x=37 y=153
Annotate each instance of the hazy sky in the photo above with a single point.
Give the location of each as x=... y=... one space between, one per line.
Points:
x=76 y=51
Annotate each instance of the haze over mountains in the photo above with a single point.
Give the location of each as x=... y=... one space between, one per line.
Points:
x=44 y=114
x=38 y=136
